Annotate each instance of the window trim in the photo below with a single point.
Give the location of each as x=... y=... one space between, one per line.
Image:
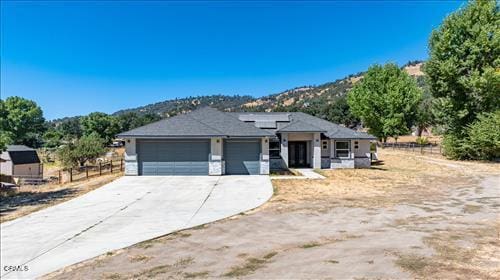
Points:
x=343 y=150
x=278 y=149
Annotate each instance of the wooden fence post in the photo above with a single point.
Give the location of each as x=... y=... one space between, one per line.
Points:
x=121 y=164
x=87 y=171
x=111 y=166
x=100 y=169
x=60 y=177
x=71 y=175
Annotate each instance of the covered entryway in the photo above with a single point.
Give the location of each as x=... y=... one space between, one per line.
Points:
x=173 y=157
x=242 y=157
x=297 y=154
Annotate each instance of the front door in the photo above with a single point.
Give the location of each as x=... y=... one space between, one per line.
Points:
x=297 y=154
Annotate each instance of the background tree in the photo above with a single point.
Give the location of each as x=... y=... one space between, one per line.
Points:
x=52 y=138
x=70 y=128
x=464 y=58
x=339 y=112
x=386 y=100
x=425 y=113
x=85 y=149
x=104 y=125
x=21 y=122
x=131 y=120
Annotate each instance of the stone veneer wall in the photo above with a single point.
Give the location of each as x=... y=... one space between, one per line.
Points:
x=264 y=165
x=342 y=163
x=325 y=162
x=362 y=162
x=215 y=167
x=131 y=166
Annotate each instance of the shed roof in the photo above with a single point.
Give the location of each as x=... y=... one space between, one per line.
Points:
x=20 y=154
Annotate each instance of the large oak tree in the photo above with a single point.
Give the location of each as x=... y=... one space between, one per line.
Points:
x=386 y=100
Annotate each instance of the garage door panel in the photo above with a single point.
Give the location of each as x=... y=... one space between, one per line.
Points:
x=174 y=157
x=242 y=157
x=149 y=168
x=165 y=168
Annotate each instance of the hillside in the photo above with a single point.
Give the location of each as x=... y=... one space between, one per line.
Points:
x=299 y=98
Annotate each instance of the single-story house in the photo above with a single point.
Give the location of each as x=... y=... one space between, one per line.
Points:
x=210 y=142
x=21 y=162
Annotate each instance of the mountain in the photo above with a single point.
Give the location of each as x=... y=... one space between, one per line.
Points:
x=299 y=98
x=182 y=105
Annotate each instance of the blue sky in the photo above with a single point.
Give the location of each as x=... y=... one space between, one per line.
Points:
x=74 y=58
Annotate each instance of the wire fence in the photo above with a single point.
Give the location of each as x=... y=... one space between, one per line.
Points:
x=430 y=148
x=89 y=171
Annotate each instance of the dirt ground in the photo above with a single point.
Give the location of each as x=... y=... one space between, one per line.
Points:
x=21 y=201
x=410 y=216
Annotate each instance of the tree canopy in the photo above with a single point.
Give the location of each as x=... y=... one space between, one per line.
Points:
x=464 y=58
x=386 y=100
x=104 y=125
x=21 y=122
x=87 y=148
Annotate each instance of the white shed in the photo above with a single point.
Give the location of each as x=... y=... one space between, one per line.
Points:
x=21 y=161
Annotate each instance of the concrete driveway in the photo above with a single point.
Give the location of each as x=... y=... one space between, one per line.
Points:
x=124 y=212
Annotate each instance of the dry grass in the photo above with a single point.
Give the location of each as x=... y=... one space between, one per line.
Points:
x=310 y=245
x=466 y=253
x=388 y=183
x=201 y=274
x=412 y=263
x=250 y=266
x=156 y=271
x=28 y=199
x=401 y=177
x=405 y=198
x=140 y=258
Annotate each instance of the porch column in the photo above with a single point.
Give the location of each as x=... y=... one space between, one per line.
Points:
x=317 y=150
x=284 y=148
x=264 y=156
x=131 y=166
x=215 y=160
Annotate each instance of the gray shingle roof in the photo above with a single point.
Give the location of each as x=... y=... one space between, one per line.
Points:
x=332 y=130
x=204 y=122
x=209 y=122
x=300 y=126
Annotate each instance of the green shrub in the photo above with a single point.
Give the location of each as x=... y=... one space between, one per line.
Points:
x=481 y=140
x=422 y=140
x=484 y=137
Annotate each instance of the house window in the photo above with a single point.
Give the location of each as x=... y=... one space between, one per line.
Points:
x=356 y=146
x=274 y=148
x=342 y=149
x=324 y=145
